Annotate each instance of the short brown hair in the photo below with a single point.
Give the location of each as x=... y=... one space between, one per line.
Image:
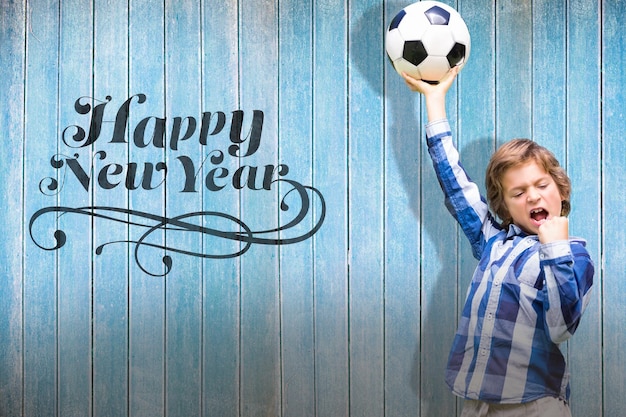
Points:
x=513 y=154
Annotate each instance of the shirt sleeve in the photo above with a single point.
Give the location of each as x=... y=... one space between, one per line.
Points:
x=568 y=271
x=462 y=196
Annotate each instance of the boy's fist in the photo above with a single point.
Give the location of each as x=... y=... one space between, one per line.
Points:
x=553 y=229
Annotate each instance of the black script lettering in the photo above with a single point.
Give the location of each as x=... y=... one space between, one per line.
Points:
x=79 y=172
x=94 y=127
x=190 y=174
x=121 y=119
x=183 y=128
x=216 y=157
x=158 y=133
x=146 y=178
x=110 y=170
x=241 y=179
x=209 y=181
x=254 y=135
x=178 y=121
x=108 y=174
x=53 y=186
x=206 y=123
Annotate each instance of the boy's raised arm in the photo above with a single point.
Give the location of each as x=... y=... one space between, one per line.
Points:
x=435 y=95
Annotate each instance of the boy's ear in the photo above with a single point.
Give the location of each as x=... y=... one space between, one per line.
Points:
x=565 y=207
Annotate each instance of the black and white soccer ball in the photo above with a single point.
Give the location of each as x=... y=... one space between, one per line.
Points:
x=426 y=39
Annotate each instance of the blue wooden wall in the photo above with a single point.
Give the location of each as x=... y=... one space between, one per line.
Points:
x=205 y=290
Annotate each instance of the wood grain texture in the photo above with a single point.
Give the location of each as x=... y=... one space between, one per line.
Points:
x=222 y=279
x=40 y=303
x=12 y=72
x=295 y=142
x=402 y=240
x=584 y=165
x=613 y=203
x=74 y=274
x=146 y=294
x=514 y=70
x=365 y=208
x=260 y=277
x=330 y=172
x=109 y=285
x=183 y=286
x=355 y=320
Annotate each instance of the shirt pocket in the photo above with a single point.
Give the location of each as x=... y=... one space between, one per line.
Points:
x=530 y=273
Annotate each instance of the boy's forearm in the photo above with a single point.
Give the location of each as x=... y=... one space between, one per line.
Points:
x=436 y=106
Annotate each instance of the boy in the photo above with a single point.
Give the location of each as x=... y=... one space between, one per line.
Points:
x=532 y=282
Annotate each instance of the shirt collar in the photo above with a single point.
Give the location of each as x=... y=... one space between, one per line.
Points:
x=515 y=231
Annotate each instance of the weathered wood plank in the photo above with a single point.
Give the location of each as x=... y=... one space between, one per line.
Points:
x=613 y=203
x=74 y=333
x=12 y=71
x=549 y=76
x=183 y=306
x=110 y=281
x=146 y=299
x=40 y=269
x=330 y=129
x=358 y=318
x=221 y=301
x=513 y=28
x=365 y=193
x=296 y=260
x=583 y=166
x=260 y=312
x=402 y=290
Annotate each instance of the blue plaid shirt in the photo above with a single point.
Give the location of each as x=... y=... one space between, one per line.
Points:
x=524 y=299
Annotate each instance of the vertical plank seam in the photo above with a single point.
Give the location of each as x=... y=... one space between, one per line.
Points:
x=239 y=195
x=312 y=14
x=601 y=21
x=165 y=195
x=281 y=369
x=57 y=255
x=25 y=14
x=128 y=202
x=383 y=129
x=92 y=194
x=348 y=270
x=202 y=289
x=531 y=58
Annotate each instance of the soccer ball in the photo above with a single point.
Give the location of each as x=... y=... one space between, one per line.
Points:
x=426 y=39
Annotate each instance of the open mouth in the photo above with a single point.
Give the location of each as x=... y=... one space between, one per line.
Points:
x=539 y=215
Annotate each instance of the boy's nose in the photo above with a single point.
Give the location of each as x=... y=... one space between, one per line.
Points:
x=533 y=195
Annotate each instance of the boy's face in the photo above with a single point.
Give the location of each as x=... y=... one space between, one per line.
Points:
x=531 y=196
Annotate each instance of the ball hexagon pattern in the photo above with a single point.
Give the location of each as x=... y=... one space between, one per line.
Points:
x=426 y=39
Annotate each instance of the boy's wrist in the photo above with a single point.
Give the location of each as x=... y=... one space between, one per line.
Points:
x=436 y=106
